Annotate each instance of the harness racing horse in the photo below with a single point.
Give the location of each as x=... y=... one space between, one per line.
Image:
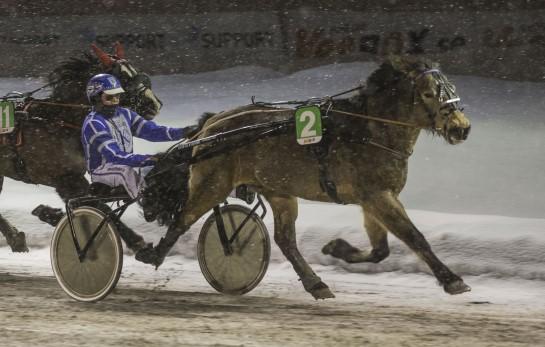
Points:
x=362 y=159
x=46 y=147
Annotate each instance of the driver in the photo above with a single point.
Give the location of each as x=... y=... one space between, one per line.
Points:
x=107 y=137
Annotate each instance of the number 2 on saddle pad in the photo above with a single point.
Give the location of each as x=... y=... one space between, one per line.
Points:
x=7 y=117
x=308 y=124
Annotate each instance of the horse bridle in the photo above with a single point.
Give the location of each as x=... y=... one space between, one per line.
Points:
x=135 y=83
x=446 y=93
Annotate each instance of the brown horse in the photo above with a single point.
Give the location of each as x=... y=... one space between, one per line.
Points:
x=362 y=159
x=46 y=147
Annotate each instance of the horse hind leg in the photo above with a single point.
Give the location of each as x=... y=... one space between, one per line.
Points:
x=378 y=236
x=285 y=213
x=15 y=239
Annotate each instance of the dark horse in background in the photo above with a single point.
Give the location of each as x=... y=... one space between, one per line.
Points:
x=46 y=148
x=362 y=159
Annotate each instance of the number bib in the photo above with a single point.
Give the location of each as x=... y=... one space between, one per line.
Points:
x=308 y=124
x=7 y=111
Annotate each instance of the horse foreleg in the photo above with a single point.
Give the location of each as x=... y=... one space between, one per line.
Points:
x=378 y=236
x=390 y=212
x=285 y=213
x=15 y=238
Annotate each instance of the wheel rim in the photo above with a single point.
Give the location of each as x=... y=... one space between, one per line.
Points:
x=241 y=271
x=98 y=273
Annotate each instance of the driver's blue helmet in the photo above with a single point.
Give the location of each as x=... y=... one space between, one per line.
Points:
x=103 y=83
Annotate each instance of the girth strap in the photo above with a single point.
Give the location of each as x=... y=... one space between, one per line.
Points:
x=321 y=151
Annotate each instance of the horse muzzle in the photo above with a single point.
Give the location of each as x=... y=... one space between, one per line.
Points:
x=457 y=127
x=150 y=105
x=457 y=135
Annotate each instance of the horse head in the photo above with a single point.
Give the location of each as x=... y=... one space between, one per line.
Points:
x=68 y=80
x=435 y=101
x=139 y=95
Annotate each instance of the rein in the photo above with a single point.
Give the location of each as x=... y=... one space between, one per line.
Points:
x=61 y=123
x=58 y=104
x=378 y=119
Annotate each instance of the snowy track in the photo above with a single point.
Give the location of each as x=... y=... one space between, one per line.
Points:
x=35 y=312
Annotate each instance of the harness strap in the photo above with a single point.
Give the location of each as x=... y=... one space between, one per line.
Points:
x=57 y=104
x=14 y=141
x=378 y=119
x=321 y=150
x=239 y=114
x=61 y=123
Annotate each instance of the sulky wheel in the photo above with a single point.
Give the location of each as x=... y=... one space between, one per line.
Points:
x=94 y=276
x=241 y=270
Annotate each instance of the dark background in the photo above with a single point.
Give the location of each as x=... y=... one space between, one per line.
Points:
x=503 y=39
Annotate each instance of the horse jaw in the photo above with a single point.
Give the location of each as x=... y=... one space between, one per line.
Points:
x=155 y=105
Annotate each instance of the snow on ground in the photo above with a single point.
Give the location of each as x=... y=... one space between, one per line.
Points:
x=480 y=204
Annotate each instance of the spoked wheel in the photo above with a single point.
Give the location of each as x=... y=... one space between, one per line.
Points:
x=240 y=271
x=94 y=276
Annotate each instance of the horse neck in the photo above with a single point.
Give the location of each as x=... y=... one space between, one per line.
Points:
x=70 y=81
x=398 y=137
x=69 y=93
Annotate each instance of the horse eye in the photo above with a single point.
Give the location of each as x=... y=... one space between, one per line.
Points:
x=429 y=95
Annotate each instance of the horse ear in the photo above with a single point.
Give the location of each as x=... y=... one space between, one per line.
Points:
x=104 y=58
x=119 y=50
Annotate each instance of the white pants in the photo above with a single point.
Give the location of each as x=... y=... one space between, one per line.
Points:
x=131 y=178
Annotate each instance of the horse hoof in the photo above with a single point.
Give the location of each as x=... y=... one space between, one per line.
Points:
x=18 y=243
x=149 y=255
x=321 y=291
x=339 y=248
x=457 y=287
x=328 y=249
x=49 y=215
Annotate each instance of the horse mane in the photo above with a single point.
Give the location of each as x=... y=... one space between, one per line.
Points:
x=69 y=79
x=394 y=69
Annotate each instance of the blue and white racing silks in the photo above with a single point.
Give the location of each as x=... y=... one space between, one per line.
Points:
x=108 y=140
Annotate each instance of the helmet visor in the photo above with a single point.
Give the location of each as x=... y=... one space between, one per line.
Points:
x=114 y=91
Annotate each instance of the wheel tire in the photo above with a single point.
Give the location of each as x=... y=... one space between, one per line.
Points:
x=96 y=276
x=240 y=272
